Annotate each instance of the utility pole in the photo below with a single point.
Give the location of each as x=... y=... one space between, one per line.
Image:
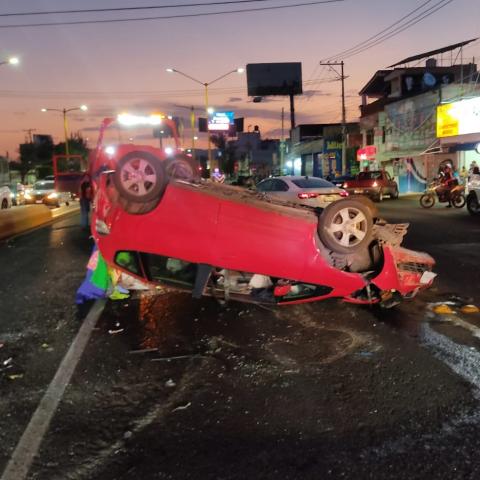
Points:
x=282 y=143
x=29 y=132
x=344 y=114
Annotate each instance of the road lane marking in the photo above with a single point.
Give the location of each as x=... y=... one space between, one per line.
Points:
x=26 y=449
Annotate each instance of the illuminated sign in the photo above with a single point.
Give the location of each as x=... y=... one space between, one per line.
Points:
x=367 y=153
x=458 y=118
x=220 y=121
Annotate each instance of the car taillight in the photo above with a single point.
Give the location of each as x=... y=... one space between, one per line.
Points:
x=343 y=193
x=345 y=185
x=305 y=195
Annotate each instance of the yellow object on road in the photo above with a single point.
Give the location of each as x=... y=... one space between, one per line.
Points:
x=443 y=309
x=469 y=309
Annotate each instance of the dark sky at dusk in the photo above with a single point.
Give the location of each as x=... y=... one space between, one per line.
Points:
x=116 y=67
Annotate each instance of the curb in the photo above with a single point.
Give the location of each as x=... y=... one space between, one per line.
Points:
x=19 y=220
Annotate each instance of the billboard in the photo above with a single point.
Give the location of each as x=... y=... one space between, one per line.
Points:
x=458 y=118
x=220 y=121
x=266 y=79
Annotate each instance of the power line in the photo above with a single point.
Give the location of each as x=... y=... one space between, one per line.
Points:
x=377 y=34
x=170 y=17
x=120 y=9
x=370 y=42
x=400 y=29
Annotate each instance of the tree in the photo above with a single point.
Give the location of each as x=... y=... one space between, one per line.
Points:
x=76 y=146
x=227 y=153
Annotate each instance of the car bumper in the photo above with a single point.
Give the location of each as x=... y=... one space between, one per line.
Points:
x=369 y=191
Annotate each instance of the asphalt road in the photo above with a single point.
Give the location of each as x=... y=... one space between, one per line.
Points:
x=174 y=388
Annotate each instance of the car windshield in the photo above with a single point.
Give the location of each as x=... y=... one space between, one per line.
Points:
x=369 y=175
x=312 y=183
x=44 y=186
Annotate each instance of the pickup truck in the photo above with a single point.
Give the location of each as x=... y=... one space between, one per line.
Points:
x=374 y=184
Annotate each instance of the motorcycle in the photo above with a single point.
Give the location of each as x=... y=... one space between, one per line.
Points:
x=436 y=190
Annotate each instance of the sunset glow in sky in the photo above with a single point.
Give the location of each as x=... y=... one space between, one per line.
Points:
x=116 y=67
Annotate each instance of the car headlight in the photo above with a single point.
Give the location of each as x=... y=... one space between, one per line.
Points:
x=375 y=184
x=53 y=195
x=28 y=196
x=12 y=195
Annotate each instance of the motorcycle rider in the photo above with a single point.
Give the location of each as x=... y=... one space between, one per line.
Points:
x=448 y=182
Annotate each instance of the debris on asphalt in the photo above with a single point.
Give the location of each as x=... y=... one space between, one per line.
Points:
x=144 y=350
x=176 y=357
x=115 y=332
x=182 y=407
x=15 y=376
x=170 y=383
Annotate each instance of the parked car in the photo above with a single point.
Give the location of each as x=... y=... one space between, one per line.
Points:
x=473 y=199
x=375 y=184
x=44 y=192
x=225 y=241
x=311 y=191
x=17 y=193
x=5 y=197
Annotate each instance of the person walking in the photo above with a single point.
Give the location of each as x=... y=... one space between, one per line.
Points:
x=86 y=197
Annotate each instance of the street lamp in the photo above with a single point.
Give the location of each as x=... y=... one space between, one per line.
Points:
x=206 y=85
x=11 y=61
x=64 y=112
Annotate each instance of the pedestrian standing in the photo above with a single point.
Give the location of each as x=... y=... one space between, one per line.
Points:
x=85 y=195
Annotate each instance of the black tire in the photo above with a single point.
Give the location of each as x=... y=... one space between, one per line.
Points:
x=473 y=206
x=4 y=204
x=182 y=167
x=394 y=194
x=345 y=226
x=427 y=200
x=379 y=197
x=458 y=200
x=368 y=202
x=67 y=203
x=140 y=177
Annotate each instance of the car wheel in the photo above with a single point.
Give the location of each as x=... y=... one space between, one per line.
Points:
x=346 y=226
x=394 y=195
x=4 y=203
x=473 y=206
x=368 y=202
x=140 y=177
x=182 y=167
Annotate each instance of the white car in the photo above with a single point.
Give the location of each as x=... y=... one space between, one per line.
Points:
x=311 y=191
x=5 y=197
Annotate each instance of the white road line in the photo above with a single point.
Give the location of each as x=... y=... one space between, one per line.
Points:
x=26 y=449
x=461 y=359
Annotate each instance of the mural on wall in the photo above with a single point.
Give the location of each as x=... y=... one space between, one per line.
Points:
x=410 y=174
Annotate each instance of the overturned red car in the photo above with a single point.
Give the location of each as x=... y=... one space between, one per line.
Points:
x=154 y=218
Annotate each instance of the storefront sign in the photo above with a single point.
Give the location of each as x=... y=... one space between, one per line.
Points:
x=458 y=118
x=367 y=153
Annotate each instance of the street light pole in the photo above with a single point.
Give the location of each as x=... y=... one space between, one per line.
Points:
x=344 y=116
x=206 y=85
x=64 y=112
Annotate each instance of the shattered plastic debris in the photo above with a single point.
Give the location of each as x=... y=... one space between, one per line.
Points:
x=15 y=376
x=470 y=309
x=182 y=407
x=170 y=383
x=115 y=332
